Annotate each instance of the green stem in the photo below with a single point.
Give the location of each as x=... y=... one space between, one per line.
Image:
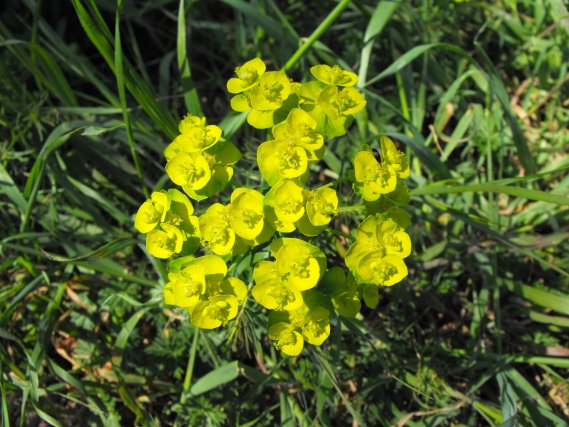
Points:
x=337 y=182
x=318 y=32
x=119 y=72
x=353 y=208
x=190 y=367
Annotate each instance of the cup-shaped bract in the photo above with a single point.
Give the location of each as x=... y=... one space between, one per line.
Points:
x=299 y=128
x=189 y=170
x=165 y=242
x=272 y=290
x=334 y=75
x=373 y=178
x=286 y=339
x=301 y=263
x=321 y=205
x=286 y=199
x=280 y=159
x=382 y=270
x=214 y=312
x=246 y=213
x=216 y=230
x=186 y=287
x=341 y=102
x=392 y=156
x=248 y=76
x=273 y=89
x=152 y=212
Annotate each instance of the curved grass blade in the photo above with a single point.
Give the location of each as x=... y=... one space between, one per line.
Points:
x=102 y=252
x=380 y=17
x=191 y=97
x=493 y=188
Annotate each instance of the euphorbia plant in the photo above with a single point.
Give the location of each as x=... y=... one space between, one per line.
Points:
x=296 y=285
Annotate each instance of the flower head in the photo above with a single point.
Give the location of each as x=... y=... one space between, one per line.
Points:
x=334 y=75
x=248 y=76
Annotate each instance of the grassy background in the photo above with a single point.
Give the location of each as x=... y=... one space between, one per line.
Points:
x=477 y=335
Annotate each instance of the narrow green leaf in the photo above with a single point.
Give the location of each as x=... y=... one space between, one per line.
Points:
x=380 y=17
x=102 y=252
x=216 y=378
x=492 y=188
x=499 y=91
x=191 y=97
x=551 y=300
x=413 y=54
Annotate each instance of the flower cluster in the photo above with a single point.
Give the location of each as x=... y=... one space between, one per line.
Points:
x=295 y=284
x=376 y=257
x=200 y=285
x=285 y=286
x=199 y=159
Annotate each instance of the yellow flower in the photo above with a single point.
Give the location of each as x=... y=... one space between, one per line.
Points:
x=286 y=199
x=384 y=271
x=280 y=159
x=299 y=128
x=301 y=263
x=271 y=289
x=216 y=230
x=246 y=213
x=334 y=75
x=189 y=170
x=214 y=312
x=164 y=243
x=392 y=156
x=274 y=87
x=152 y=211
x=248 y=76
x=185 y=288
x=372 y=178
x=344 y=102
x=321 y=205
x=379 y=238
x=311 y=321
x=286 y=339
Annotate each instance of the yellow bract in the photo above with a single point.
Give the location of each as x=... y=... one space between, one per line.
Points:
x=185 y=288
x=298 y=267
x=384 y=271
x=344 y=102
x=334 y=75
x=372 y=178
x=246 y=213
x=201 y=287
x=286 y=199
x=394 y=157
x=151 y=212
x=286 y=339
x=216 y=230
x=299 y=128
x=321 y=205
x=274 y=87
x=280 y=159
x=191 y=170
x=309 y=322
x=248 y=76
x=377 y=254
x=164 y=243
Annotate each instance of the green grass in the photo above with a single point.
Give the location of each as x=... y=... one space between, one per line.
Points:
x=476 y=335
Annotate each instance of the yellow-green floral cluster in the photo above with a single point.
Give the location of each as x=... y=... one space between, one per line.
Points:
x=201 y=286
x=199 y=159
x=381 y=245
x=294 y=284
x=285 y=286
